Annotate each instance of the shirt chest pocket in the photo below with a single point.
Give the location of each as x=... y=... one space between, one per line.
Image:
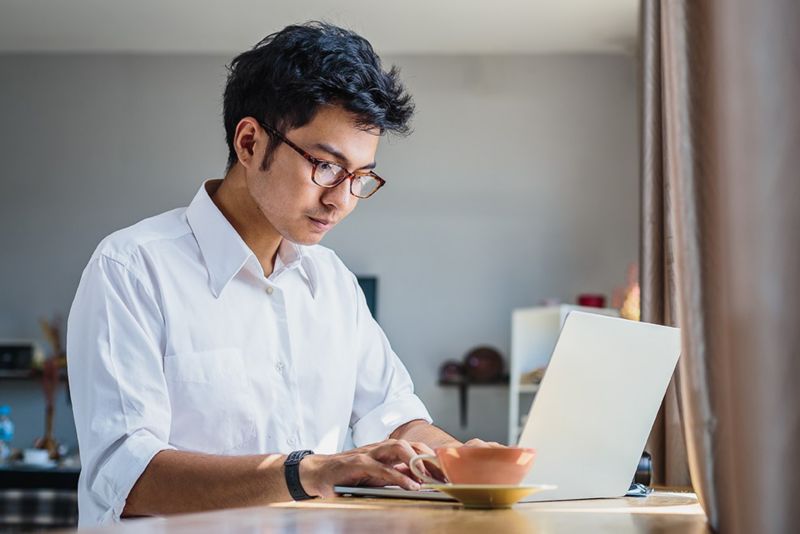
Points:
x=211 y=400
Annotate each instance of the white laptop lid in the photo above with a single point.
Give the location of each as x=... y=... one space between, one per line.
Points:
x=596 y=405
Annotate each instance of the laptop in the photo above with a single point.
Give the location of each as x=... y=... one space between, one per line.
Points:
x=594 y=409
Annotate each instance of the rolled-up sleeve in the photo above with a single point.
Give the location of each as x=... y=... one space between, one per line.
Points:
x=119 y=394
x=384 y=397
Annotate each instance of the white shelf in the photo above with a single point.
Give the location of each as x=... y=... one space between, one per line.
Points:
x=527 y=389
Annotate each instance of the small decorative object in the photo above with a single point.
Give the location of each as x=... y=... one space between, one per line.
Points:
x=533 y=377
x=19 y=357
x=483 y=364
x=51 y=372
x=451 y=371
x=627 y=299
x=40 y=457
x=592 y=300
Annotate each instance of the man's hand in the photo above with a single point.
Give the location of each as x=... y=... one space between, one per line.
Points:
x=379 y=464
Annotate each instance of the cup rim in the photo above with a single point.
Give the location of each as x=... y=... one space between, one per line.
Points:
x=474 y=447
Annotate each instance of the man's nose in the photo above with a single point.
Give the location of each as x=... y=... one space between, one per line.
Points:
x=339 y=197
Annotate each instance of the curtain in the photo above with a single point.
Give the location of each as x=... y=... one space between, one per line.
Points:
x=721 y=248
x=657 y=272
x=753 y=314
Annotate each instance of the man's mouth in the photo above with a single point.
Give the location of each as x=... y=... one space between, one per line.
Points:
x=322 y=224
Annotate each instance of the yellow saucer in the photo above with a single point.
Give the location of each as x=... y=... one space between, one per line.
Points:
x=488 y=495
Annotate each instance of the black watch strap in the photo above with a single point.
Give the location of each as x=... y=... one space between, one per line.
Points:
x=291 y=470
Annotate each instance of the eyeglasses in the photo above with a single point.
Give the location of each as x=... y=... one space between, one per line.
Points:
x=329 y=175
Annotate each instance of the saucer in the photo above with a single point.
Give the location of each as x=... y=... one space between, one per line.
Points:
x=488 y=495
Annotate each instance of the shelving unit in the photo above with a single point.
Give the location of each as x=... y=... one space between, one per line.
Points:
x=534 y=332
x=29 y=375
x=463 y=386
x=20 y=374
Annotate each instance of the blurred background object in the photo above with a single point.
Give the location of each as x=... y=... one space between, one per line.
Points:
x=591 y=300
x=52 y=369
x=483 y=364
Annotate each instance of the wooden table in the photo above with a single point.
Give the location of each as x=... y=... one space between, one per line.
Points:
x=661 y=512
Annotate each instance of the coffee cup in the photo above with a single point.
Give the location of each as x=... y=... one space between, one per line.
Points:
x=476 y=465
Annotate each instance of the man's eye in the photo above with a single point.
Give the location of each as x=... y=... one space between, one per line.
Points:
x=330 y=169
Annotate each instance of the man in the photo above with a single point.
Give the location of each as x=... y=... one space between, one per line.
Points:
x=208 y=343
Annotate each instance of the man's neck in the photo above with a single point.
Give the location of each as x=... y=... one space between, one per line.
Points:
x=234 y=201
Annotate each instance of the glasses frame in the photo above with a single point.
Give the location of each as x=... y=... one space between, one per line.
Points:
x=315 y=162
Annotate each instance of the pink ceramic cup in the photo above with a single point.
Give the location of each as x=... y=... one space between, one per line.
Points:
x=477 y=465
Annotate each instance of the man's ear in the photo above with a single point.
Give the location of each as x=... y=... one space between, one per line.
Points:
x=248 y=140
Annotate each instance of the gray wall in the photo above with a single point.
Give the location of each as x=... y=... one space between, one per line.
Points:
x=519 y=183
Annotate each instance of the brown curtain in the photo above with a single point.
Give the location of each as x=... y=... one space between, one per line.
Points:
x=721 y=249
x=657 y=272
x=755 y=314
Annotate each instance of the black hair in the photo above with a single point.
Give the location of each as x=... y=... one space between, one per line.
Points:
x=286 y=77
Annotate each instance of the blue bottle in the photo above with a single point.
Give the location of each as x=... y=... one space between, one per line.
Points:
x=6 y=433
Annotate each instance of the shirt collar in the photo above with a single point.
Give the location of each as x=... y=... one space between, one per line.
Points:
x=224 y=251
x=293 y=256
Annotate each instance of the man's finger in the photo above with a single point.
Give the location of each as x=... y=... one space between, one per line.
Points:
x=390 y=475
x=476 y=442
x=393 y=451
x=421 y=448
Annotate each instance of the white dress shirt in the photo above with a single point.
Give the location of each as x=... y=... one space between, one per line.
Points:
x=177 y=340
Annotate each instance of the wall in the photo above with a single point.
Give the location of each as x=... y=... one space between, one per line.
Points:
x=519 y=183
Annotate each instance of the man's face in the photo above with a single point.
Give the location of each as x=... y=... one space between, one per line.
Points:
x=300 y=210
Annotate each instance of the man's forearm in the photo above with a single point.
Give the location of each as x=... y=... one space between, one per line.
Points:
x=422 y=431
x=180 y=482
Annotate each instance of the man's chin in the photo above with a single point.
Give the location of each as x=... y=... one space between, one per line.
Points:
x=307 y=238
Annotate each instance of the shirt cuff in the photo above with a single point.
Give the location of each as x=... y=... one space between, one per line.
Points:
x=378 y=424
x=123 y=468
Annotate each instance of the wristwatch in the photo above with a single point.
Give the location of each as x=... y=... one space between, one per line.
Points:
x=291 y=470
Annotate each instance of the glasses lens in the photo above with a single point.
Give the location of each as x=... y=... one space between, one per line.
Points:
x=327 y=174
x=363 y=186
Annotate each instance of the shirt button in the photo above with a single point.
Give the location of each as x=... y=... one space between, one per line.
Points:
x=291 y=441
x=279 y=367
x=270 y=290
